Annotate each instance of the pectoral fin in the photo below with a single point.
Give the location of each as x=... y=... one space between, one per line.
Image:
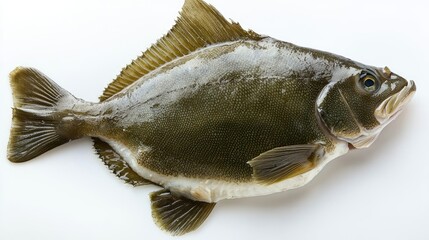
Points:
x=281 y=163
x=178 y=215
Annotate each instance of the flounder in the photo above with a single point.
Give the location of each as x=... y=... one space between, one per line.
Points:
x=212 y=112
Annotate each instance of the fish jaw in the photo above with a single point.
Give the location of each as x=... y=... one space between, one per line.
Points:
x=390 y=108
x=385 y=113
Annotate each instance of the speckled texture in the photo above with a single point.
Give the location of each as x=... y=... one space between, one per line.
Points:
x=214 y=132
x=210 y=121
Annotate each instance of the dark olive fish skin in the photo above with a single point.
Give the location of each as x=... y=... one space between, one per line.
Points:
x=240 y=127
x=249 y=113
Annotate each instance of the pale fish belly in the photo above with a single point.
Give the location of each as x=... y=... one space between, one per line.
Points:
x=210 y=190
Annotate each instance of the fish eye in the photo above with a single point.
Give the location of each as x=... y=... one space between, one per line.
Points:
x=369 y=82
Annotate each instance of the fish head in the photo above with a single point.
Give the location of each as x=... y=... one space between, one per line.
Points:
x=357 y=107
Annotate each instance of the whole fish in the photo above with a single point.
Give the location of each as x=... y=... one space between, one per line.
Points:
x=212 y=112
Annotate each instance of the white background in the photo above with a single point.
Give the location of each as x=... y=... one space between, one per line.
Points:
x=376 y=193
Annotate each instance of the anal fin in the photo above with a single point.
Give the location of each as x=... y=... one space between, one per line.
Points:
x=285 y=162
x=178 y=215
x=117 y=164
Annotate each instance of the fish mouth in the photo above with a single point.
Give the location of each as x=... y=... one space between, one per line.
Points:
x=390 y=108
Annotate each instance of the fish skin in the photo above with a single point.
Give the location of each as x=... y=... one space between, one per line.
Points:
x=162 y=119
x=173 y=129
x=202 y=124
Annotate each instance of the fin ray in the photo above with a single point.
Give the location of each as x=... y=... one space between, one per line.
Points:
x=198 y=25
x=178 y=215
x=117 y=164
x=34 y=124
x=285 y=162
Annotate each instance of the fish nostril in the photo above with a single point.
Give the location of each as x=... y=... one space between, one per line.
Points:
x=387 y=72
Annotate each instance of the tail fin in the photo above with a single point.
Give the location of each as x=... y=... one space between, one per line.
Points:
x=36 y=99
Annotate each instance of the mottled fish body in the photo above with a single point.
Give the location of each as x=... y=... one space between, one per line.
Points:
x=172 y=106
x=213 y=112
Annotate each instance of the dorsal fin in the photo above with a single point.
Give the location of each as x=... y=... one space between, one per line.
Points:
x=198 y=25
